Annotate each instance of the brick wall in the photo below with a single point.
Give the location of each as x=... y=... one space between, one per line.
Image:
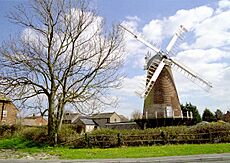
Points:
x=10 y=113
x=163 y=94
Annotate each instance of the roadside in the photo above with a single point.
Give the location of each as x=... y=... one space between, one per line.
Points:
x=44 y=153
x=220 y=158
x=14 y=154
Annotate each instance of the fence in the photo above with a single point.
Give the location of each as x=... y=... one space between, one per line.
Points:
x=151 y=139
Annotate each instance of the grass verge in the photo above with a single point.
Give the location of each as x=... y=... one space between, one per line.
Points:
x=124 y=152
x=141 y=152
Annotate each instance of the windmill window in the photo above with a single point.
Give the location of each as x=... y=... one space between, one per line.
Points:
x=4 y=113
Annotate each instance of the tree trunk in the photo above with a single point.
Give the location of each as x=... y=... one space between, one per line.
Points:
x=51 y=124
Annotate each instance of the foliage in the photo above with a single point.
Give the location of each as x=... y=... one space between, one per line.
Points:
x=8 y=130
x=191 y=108
x=203 y=132
x=38 y=135
x=208 y=116
x=219 y=114
x=68 y=136
x=205 y=127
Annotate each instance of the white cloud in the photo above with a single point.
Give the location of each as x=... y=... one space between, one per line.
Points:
x=134 y=50
x=210 y=65
x=127 y=97
x=223 y=5
x=158 y=29
x=153 y=30
x=213 y=32
x=131 y=85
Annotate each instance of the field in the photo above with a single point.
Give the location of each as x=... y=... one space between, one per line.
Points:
x=28 y=147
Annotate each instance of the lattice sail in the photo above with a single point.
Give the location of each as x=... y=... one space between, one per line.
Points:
x=194 y=77
x=142 y=40
x=153 y=73
x=178 y=35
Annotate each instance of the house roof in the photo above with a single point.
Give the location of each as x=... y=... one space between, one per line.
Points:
x=85 y=120
x=102 y=115
x=32 y=121
x=88 y=121
x=123 y=118
x=70 y=116
x=33 y=117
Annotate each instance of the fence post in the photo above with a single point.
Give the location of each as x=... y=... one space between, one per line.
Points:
x=210 y=137
x=87 y=140
x=118 y=139
x=163 y=136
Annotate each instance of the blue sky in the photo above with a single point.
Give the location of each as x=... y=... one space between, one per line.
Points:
x=146 y=10
x=205 y=49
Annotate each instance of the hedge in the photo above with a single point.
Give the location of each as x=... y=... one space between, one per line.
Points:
x=216 y=132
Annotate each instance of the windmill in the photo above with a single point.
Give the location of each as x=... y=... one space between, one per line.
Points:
x=160 y=94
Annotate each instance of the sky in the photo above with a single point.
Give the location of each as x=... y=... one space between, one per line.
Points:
x=205 y=48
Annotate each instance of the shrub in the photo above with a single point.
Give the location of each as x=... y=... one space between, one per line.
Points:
x=136 y=137
x=9 y=130
x=200 y=133
x=212 y=132
x=38 y=135
x=205 y=127
x=204 y=132
x=68 y=136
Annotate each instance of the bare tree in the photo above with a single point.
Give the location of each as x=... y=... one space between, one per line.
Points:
x=136 y=114
x=63 y=54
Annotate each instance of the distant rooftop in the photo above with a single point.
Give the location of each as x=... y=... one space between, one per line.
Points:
x=102 y=115
x=87 y=121
x=70 y=116
x=32 y=117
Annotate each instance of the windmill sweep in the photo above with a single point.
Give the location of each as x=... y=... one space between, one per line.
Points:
x=160 y=94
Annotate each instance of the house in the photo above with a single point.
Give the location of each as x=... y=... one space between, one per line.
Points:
x=123 y=118
x=226 y=117
x=34 y=121
x=103 y=118
x=69 y=117
x=85 y=125
x=8 y=111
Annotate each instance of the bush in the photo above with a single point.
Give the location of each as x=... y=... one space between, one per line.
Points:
x=68 y=136
x=9 y=130
x=135 y=137
x=201 y=133
x=204 y=132
x=205 y=127
x=213 y=132
x=38 y=135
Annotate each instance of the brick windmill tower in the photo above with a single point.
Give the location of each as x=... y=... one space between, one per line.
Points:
x=160 y=95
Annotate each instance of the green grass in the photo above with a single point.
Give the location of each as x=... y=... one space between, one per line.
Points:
x=123 y=152
x=17 y=143
x=141 y=152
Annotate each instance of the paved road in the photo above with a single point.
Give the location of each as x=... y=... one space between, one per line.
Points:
x=213 y=158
